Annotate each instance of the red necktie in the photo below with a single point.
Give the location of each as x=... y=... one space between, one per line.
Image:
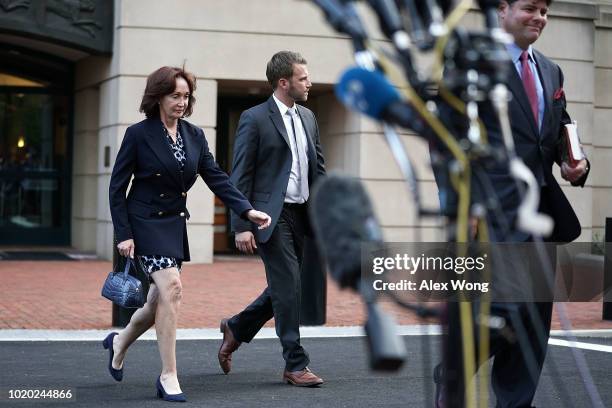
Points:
x=529 y=84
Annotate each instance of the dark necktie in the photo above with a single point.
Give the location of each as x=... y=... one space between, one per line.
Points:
x=529 y=84
x=301 y=156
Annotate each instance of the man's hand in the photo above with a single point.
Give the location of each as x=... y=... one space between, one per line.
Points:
x=573 y=174
x=126 y=248
x=260 y=218
x=245 y=242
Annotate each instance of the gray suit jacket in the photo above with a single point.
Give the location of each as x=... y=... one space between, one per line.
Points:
x=262 y=161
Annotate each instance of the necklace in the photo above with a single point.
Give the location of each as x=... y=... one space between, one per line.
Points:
x=165 y=125
x=171 y=134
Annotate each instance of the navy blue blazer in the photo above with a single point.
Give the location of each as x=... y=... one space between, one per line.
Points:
x=262 y=161
x=154 y=213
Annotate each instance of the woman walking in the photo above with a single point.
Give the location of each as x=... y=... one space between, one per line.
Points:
x=164 y=154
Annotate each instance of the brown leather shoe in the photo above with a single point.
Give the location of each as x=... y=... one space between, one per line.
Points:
x=302 y=378
x=228 y=346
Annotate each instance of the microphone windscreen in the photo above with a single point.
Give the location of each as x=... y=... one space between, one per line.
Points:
x=343 y=219
x=368 y=92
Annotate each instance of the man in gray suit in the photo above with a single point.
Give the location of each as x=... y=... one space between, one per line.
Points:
x=277 y=158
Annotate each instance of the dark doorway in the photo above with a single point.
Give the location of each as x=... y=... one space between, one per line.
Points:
x=35 y=149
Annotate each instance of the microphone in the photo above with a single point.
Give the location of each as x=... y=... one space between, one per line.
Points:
x=388 y=16
x=392 y=26
x=419 y=34
x=343 y=19
x=489 y=9
x=370 y=93
x=343 y=220
x=433 y=16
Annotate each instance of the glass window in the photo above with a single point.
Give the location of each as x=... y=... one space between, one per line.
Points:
x=34 y=162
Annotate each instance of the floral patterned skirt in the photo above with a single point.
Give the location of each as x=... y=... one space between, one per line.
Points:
x=154 y=263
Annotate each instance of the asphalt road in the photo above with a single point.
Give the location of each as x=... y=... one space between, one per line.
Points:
x=255 y=379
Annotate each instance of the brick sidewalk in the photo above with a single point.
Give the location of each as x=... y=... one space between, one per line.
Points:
x=66 y=295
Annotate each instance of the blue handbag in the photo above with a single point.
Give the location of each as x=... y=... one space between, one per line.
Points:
x=123 y=289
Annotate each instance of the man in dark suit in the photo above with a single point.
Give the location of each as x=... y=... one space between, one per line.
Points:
x=277 y=158
x=537 y=113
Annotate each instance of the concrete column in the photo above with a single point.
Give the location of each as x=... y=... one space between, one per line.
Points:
x=340 y=132
x=354 y=145
x=84 y=169
x=200 y=200
x=602 y=134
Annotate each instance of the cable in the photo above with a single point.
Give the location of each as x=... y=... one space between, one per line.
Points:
x=485 y=312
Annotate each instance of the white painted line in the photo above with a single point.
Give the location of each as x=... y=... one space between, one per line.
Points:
x=580 y=345
x=358 y=331
x=583 y=333
x=205 y=334
x=82 y=257
x=265 y=333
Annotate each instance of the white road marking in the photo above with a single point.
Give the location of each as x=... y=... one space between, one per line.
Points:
x=265 y=333
x=205 y=334
x=580 y=345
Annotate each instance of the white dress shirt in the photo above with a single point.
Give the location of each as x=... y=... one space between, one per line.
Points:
x=296 y=192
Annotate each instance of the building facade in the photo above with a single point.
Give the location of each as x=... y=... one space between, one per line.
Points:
x=72 y=74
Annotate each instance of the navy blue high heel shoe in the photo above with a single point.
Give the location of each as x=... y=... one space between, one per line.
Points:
x=107 y=343
x=161 y=393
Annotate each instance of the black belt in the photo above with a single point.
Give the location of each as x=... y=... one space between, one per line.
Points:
x=294 y=206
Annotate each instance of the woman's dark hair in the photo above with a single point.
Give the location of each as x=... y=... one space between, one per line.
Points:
x=162 y=82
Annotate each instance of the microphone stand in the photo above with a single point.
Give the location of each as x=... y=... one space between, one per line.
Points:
x=529 y=219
